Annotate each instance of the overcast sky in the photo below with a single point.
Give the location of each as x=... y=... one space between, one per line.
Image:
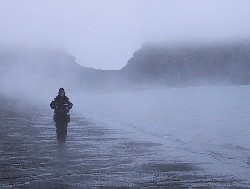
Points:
x=105 y=33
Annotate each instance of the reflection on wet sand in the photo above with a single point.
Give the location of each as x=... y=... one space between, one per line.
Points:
x=92 y=157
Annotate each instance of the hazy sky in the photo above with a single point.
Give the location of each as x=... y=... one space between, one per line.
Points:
x=105 y=33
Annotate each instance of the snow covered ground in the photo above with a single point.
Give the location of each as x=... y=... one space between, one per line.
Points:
x=206 y=125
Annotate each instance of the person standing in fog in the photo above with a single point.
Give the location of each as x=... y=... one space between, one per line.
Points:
x=61 y=106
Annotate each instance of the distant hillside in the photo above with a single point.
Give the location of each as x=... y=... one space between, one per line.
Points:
x=37 y=71
x=190 y=65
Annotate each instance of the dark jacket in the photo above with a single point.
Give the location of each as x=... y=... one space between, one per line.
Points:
x=61 y=104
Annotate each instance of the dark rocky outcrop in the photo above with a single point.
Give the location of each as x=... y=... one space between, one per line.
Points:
x=190 y=65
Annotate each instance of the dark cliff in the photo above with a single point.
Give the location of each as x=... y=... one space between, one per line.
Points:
x=190 y=65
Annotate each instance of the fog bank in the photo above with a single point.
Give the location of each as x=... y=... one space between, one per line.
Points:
x=89 y=28
x=37 y=72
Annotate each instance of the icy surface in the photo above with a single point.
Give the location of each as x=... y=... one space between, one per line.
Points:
x=208 y=125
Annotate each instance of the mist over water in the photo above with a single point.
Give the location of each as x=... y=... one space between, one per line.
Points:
x=36 y=73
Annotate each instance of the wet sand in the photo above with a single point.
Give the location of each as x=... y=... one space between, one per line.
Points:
x=93 y=157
